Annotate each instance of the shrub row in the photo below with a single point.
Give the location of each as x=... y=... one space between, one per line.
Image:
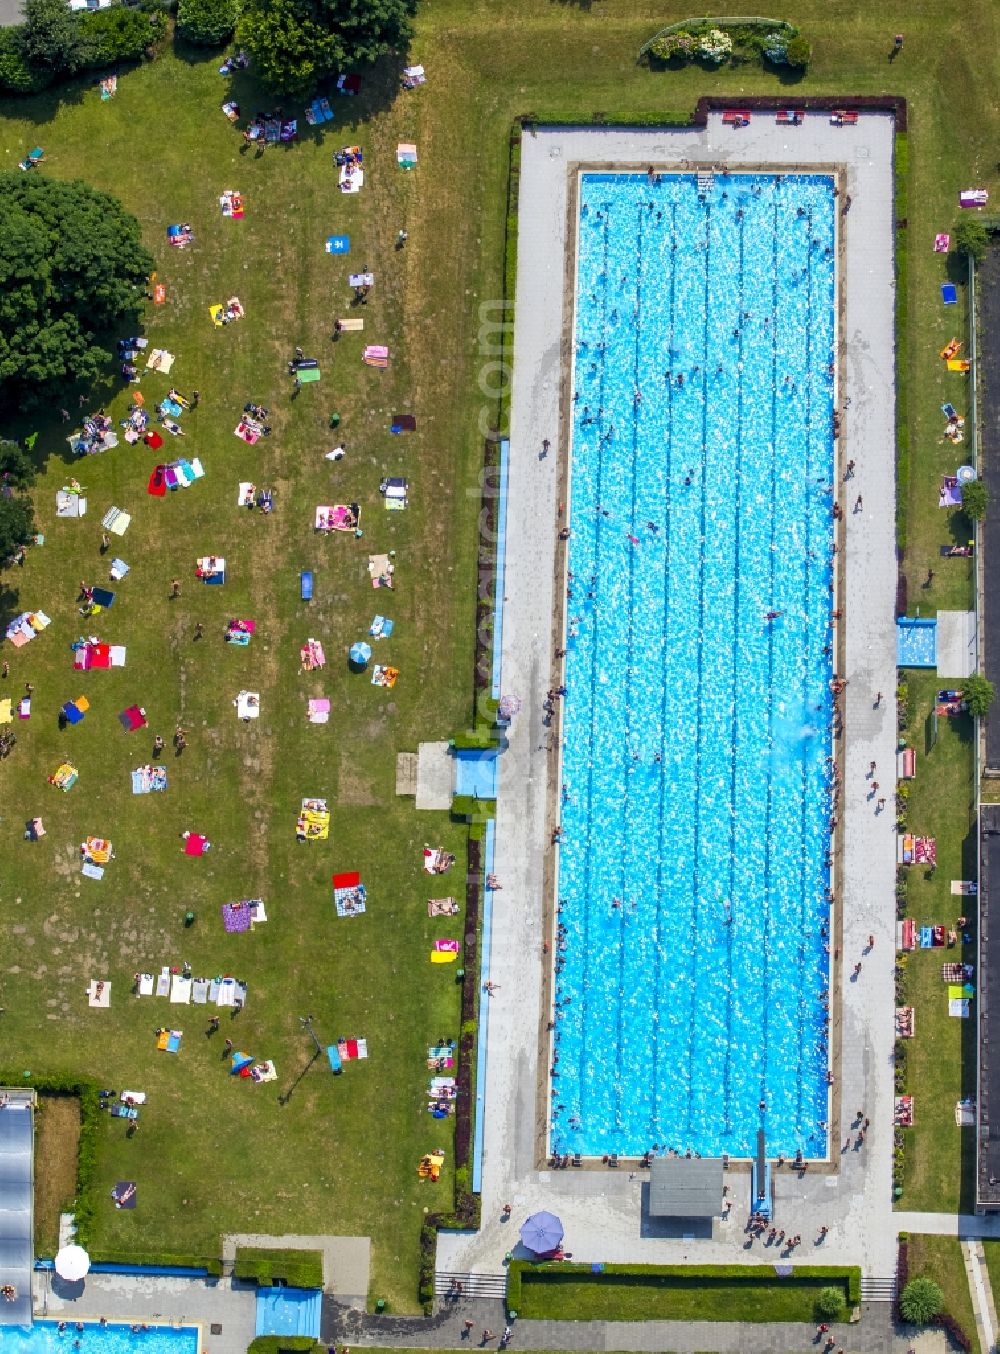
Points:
x=157 y=1260
x=729 y=41
x=100 y=38
x=297 y=1269
x=278 y=1344
x=850 y=1276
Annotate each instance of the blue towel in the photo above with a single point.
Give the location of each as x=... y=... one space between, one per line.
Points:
x=948 y=294
x=926 y=937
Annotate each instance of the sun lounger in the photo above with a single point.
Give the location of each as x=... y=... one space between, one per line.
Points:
x=145 y=985
x=180 y=990
x=199 y=991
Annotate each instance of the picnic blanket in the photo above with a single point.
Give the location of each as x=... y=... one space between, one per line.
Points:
x=144 y=983
x=964 y=888
x=319 y=111
x=313 y=823
x=319 y=711
x=180 y=236
x=133 y=718
x=180 y=990
x=264 y=1071
x=951 y=493
x=231 y=204
x=240 y=632
x=375 y=355
x=96 y=655
x=338 y=517
x=381 y=570
x=312 y=656
x=237 y=917
x=437 y=862
x=169 y=1041
x=380 y=628
x=247 y=705
x=23 y=628
x=351 y=178
x=116 y=521
x=195 y=844
x=349 y=894
x=147 y=779
x=211 y=569
x=383 y=675
x=99 y=994
x=349 y=1049
x=70 y=503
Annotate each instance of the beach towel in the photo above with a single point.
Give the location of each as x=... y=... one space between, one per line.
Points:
x=232 y=205
x=160 y=360
x=403 y=423
x=380 y=628
x=442 y=907
x=124 y=1112
x=199 y=991
x=437 y=862
x=312 y=655
x=951 y=493
x=133 y=718
x=195 y=844
x=99 y=994
x=349 y=1049
x=169 y=1041
x=949 y=293
x=264 y=1071
x=406 y=155
x=958 y=1008
x=5 y=711
x=146 y=985
x=351 y=178
x=313 y=823
x=246 y=495
x=91 y=870
x=351 y=324
x=118 y=569
x=163 y=983
x=375 y=355
x=384 y=676
x=70 y=503
x=133 y=1097
x=942 y=243
x=337 y=517
x=64 y=777
x=319 y=711
x=447 y=946
x=338 y=244
x=211 y=569
x=180 y=990
x=413 y=76
x=116 y=521
x=225 y=995
x=443 y=957
x=124 y=1194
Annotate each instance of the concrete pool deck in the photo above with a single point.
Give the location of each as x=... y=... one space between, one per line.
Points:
x=602 y=1210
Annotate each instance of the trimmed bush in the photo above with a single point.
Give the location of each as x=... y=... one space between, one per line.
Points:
x=297 y=1269
x=673 y=47
x=972 y=238
x=207 y=23
x=16 y=76
x=116 y=34
x=975 y=500
x=278 y=1344
x=978 y=694
x=718 y=41
x=157 y=1260
x=798 y=53
x=921 y=1301
x=715 y=46
x=830 y=1303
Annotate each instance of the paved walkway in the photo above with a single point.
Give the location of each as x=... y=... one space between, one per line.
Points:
x=981 y=1292
x=875 y=1333
x=949 y=1224
x=602 y=1211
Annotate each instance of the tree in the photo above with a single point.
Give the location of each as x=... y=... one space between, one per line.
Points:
x=116 y=34
x=49 y=39
x=295 y=43
x=290 y=49
x=975 y=500
x=71 y=265
x=972 y=238
x=798 y=53
x=17 y=470
x=17 y=526
x=978 y=694
x=208 y=23
x=830 y=1303
x=921 y=1300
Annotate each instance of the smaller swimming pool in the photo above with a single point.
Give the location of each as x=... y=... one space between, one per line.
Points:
x=289 y=1311
x=45 y=1337
x=476 y=773
x=916 y=642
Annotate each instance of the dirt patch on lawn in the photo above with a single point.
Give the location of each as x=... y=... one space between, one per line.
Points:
x=57 y=1139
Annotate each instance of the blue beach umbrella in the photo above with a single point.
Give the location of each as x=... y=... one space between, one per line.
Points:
x=542 y=1233
x=360 y=653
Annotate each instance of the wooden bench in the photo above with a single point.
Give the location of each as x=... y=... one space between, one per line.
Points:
x=789 y=117
x=843 y=117
x=736 y=117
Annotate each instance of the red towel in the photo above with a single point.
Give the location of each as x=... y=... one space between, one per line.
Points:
x=346 y=881
x=153 y=439
x=194 y=845
x=100 y=656
x=157 y=482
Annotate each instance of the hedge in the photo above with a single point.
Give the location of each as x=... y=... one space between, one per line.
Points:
x=297 y=1269
x=157 y=1260
x=709 y=1274
x=278 y=1344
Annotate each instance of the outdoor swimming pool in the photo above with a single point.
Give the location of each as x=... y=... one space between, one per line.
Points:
x=692 y=964
x=44 y=1337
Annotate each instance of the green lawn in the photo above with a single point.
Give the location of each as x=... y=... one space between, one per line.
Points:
x=940 y=1258
x=941 y=1058
x=215 y=1154
x=647 y=1297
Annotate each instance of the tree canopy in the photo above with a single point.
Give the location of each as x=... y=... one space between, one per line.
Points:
x=295 y=43
x=17 y=469
x=17 y=526
x=71 y=265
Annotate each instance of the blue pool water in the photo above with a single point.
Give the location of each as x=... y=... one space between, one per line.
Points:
x=696 y=795
x=44 y=1337
x=916 y=642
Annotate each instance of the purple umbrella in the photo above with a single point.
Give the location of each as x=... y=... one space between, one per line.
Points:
x=542 y=1233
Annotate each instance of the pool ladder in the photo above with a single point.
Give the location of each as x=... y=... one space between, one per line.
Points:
x=706 y=180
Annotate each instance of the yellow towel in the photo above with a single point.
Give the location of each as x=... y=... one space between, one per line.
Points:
x=443 y=957
x=5 y=711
